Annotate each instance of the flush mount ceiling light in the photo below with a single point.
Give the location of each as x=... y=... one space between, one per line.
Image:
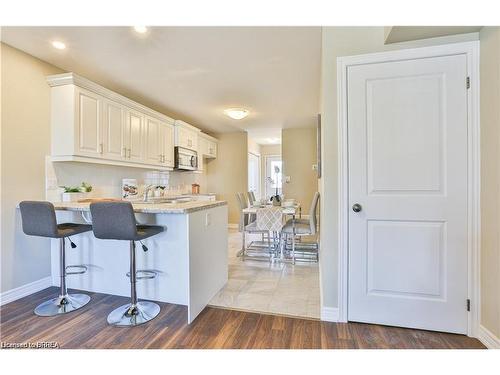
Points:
x=141 y=29
x=236 y=113
x=59 y=45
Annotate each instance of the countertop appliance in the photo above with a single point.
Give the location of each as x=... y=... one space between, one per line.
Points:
x=185 y=159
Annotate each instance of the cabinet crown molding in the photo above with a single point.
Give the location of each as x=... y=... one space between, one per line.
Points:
x=186 y=125
x=209 y=137
x=74 y=79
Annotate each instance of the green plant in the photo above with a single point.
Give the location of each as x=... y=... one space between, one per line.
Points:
x=86 y=188
x=83 y=188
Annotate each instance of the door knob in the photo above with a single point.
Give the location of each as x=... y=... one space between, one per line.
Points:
x=356 y=207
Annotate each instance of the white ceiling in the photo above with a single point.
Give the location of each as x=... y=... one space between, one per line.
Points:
x=194 y=73
x=267 y=136
x=396 y=34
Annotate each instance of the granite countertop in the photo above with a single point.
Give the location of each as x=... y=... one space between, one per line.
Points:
x=150 y=208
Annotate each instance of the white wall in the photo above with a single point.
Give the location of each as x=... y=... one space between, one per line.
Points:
x=336 y=42
x=490 y=179
x=25 y=142
x=228 y=174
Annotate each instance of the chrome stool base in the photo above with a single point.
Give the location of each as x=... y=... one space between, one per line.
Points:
x=133 y=315
x=62 y=304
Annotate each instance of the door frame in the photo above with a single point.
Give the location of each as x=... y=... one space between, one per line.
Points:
x=471 y=51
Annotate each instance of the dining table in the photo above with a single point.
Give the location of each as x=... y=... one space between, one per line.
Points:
x=288 y=210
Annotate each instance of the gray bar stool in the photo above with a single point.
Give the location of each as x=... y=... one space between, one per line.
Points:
x=116 y=221
x=39 y=219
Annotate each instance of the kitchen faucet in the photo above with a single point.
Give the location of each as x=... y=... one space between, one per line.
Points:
x=146 y=192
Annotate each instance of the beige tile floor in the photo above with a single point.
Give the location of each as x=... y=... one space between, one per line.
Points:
x=270 y=288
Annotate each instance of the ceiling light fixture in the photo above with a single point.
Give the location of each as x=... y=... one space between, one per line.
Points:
x=236 y=113
x=140 y=29
x=59 y=45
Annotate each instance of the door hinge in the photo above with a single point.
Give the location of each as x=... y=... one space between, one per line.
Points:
x=468 y=305
x=467 y=82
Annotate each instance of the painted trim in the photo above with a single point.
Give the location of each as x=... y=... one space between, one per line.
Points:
x=330 y=314
x=74 y=79
x=186 y=125
x=488 y=338
x=208 y=137
x=471 y=50
x=87 y=159
x=25 y=290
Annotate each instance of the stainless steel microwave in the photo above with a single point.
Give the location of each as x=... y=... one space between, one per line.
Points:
x=185 y=159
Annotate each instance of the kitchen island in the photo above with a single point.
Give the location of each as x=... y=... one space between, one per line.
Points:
x=189 y=257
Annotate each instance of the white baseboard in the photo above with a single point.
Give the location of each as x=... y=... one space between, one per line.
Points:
x=330 y=314
x=488 y=338
x=25 y=290
x=233 y=226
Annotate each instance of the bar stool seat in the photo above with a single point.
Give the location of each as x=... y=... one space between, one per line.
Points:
x=39 y=219
x=145 y=231
x=71 y=229
x=116 y=221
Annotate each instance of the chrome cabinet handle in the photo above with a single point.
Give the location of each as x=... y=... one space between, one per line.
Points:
x=124 y=152
x=356 y=207
x=129 y=152
x=101 y=148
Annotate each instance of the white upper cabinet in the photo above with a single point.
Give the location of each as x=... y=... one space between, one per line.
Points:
x=134 y=136
x=89 y=113
x=113 y=131
x=154 y=152
x=93 y=124
x=186 y=135
x=167 y=144
x=208 y=146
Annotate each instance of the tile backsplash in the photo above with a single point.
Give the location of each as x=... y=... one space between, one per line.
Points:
x=106 y=180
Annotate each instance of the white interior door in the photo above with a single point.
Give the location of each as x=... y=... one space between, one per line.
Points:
x=254 y=174
x=407 y=141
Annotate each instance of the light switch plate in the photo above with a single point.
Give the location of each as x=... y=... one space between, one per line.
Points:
x=208 y=219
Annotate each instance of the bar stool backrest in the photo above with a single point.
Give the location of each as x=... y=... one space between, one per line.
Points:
x=38 y=218
x=270 y=219
x=113 y=221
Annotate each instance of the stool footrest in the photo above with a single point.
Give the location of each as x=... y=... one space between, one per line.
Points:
x=144 y=274
x=80 y=269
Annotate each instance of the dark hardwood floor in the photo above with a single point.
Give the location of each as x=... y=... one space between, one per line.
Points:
x=214 y=328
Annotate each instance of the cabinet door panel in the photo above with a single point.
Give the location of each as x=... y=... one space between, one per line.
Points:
x=113 y=132
x=168 y=144
x=135 y=136
x=89 y=124
x=153 y=141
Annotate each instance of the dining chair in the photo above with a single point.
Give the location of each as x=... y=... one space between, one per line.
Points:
x=303 y=227
x=247 y=223
x=270 y=219
x=251 y=198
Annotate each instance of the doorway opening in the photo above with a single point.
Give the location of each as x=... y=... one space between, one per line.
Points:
x=263 y=277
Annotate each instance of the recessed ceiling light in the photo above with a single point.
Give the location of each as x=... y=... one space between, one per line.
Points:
x=140 y=29
x=236 y=113
x=59 y=45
